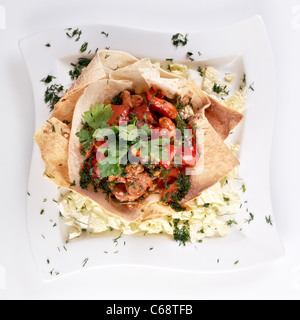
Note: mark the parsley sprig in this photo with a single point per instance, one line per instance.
(96, 118)
(125, 138)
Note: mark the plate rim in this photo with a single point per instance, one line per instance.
(256, 19)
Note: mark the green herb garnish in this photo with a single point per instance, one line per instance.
(96, 118)
(117, 100)
(84, 47)
(48, 79)
(104, 33)
(179, 39)
(189, 55)
(269, 220)
(85, 261)
(181, 231)
(244, 78)
(200, 70)
(173, 199)
(251, 87)
(53, 94)
(78, 67)
(217, 88)
(76, 33)
(250, 219)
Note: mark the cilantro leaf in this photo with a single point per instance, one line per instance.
(98, 116)
(146, 128)
(108, 170)
(86, 138)
(111, 165)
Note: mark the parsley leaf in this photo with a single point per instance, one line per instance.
(86, 138)
(111, 165)
(146, 128)
(108, 170)
(98, 116)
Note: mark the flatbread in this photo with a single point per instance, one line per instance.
(104, 62)
(102, 90)
(216, 160)
(53, 141)
(222, 119)
(64, 109)
(110, 73)
(114, 60)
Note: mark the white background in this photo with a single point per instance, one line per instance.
(19, 278)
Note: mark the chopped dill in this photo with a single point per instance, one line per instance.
(250, 219)
(104, 33)
(269, 221)
(200, 70)
(48, 79)
(78, 67)
(75, 33)
(84, 47)
(53, 94)
(179, 39)
(217, 88)
(173, 199)
(181, 231)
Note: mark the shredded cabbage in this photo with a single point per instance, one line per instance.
(180, 70)
(207, 218)
(238, 101)
(210, 212)
(212, 78)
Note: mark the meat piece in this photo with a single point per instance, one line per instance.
(126, 97)
(168, 128)
(142, 110)
(120, 192)
(134, 185)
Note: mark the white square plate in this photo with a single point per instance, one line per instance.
(243, 47)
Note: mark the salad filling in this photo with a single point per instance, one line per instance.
(138, 145)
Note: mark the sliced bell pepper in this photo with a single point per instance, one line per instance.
(161, 106)
(171, 154)
(121, 113)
